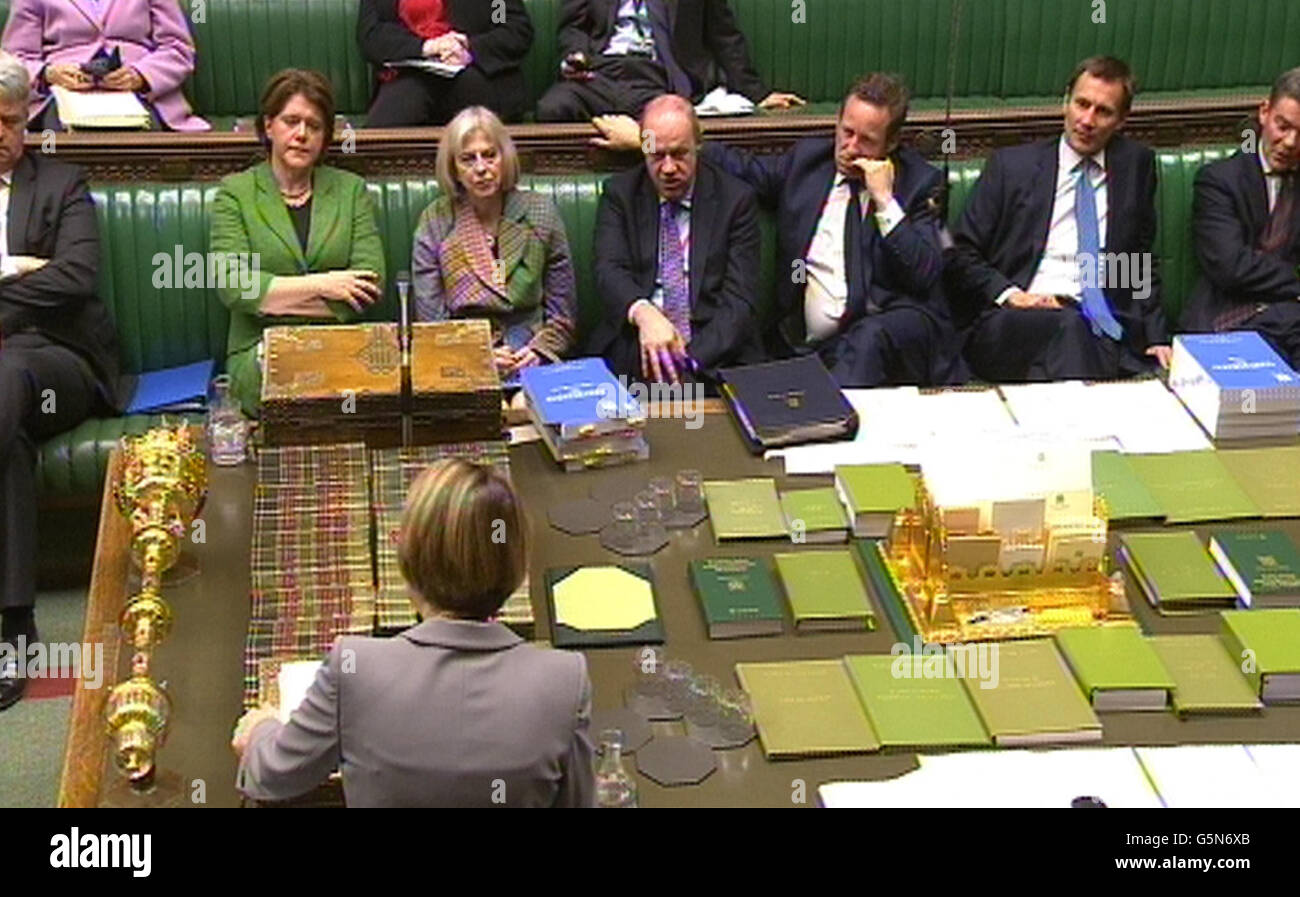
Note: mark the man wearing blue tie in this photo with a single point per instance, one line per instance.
(1052, 271)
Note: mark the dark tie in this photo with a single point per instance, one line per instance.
(678, 81)
(672, 275)
(1277, 235)
(853, 250)
(1095, 308)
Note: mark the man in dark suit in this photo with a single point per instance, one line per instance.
(58, 350)
(859, 258)
(617, 55)
(1054, 274)
(1247, 221)
(490, 39)
(677, 250)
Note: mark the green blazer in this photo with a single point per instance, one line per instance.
(250, 218)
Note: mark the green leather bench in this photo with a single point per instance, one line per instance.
(161, 328)
(1008, 52)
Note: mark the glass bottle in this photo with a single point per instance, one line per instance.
(614, 787)
(227, 429)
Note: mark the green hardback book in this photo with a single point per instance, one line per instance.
(873, 494)
(1206, 680)
(1262, 565)
(806, 708)
(745, 509)
(1127, 498)
(1255, 471)
(1034, 699)
(1266, 646)
(815, 515)
(738, 595)
(825, 590)
(1116, 667)
(1175, 572)
(1192, 486)
(907, 709)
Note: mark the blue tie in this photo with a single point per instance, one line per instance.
(1095, 309)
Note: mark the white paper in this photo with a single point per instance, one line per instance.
(100, 108)
(294, 678)
(1012, 779)
(1214, 775)
(720, 102)
(445, 69)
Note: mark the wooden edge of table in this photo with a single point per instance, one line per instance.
(83, 757)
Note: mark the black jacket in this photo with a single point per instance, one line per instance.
(51, 216)
(1229, 213)
(724, 261)
(1000, 239)
(704, 34)
(498, 48)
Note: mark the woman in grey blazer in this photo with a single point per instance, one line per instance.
(457, 711)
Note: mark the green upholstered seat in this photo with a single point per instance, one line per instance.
(161, 326)
(1006, 51)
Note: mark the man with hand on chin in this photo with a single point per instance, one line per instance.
(58, 348)
(859, 258)
(1041, 217)
(677, 249)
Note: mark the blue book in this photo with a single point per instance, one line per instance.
(1235, 384)
(579, 398)
(183, 388)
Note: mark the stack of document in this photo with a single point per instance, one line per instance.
(433, 66)
(1222, 775)
(1236, 385)
(586, 418)
(102, 109)
(1012, 779)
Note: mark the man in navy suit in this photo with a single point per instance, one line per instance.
(677, 249)
(859, 257)
(1053, 273)
(1247, 221)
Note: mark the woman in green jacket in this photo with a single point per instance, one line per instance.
(305, 231)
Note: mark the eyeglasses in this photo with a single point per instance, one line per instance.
(293, 122)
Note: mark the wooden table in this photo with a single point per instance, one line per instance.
(201, 661)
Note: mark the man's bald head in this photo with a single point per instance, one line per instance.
(670, 132)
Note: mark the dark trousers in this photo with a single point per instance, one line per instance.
(623, 85)
(416, 98)
(45, 388)
(896, 347)
(1019, 345)
(1279, 324)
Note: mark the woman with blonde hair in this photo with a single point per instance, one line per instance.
(487, 249)
(456, 711)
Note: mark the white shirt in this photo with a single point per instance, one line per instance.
(827, 294)
(7, 268)
(1272, 184)
(632, 31)
(1058, 269)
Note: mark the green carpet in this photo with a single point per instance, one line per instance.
(33, 733)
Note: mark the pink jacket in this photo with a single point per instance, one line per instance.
(152, 35)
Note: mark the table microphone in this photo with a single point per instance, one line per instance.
(404, 341)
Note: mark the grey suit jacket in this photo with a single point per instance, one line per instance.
(450, 713)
